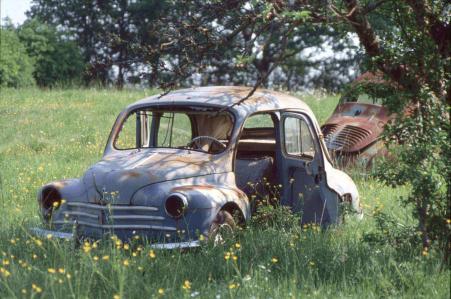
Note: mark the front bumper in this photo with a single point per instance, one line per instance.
(96, 221)
(71, 236)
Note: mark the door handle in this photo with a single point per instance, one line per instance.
(308, 167)
(318, 178)
(319, 175)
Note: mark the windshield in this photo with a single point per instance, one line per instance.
(202, 130)
(362, 98)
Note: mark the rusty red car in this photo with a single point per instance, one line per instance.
(177, 167)
(353, 132)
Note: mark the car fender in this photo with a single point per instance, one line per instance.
(343, 185)
(215, 198)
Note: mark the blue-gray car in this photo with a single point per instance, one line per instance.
(184, 166)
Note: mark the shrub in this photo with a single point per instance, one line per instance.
(58, 61)
(16, 67)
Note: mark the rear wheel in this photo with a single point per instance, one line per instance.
(222, 228)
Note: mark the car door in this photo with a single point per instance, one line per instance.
(303, 171)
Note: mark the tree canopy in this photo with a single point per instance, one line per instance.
(57, 60)
(16, 67)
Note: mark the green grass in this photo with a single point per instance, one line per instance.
(49, 135)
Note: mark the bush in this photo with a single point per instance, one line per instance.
(58, 61)
(16, 67)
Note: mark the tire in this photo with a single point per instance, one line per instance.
(222, 227)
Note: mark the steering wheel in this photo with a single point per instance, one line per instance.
(196, 142)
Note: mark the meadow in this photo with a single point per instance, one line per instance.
(47, 135)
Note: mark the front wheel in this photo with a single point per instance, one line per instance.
(222, 228)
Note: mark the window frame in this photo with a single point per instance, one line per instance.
(117, 128)
(315, 140)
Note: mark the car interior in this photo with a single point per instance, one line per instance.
(256, 153)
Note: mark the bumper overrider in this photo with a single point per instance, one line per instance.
(76, 220)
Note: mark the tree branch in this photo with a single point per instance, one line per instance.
(439, 31)
(370, 42)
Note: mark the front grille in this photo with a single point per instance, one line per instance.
(328, 129)
(113, 217)
(344, 138)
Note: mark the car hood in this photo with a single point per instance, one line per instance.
(354, 126)
(117, 177)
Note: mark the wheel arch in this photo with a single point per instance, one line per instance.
(235, 211)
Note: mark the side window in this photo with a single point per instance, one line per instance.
(259, 121)
(298, 140)
(127, 135)
(175, 130)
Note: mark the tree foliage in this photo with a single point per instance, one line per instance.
(133, 40)
(57, 61)
(108, 32)
(16, 67)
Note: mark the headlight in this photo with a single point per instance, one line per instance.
(50, 200)
(176, 204)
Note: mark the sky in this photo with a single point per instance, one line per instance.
(14, 9)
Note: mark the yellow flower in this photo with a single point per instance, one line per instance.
(227, 256)
(87, 247)
(5, 262)
(36, 288)
(5, 272)
(126, 246)
(201, 238)
(160, 291)
(233, 286)
(237, 245)
(126, 263)
(274, 260)
(186, 285)
(95, 258)
(68, 276)
(448, 221)
(49, 236)
(51, 270)
(116, 296)
(152, 254)
(38, 242)
(234, 257)
(311, 264)
(61, 270)
(105, 257)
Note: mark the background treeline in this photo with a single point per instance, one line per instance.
(110, 43)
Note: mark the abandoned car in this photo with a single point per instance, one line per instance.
(353, 132)
(176, 168)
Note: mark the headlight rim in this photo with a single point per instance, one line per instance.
(183, 199)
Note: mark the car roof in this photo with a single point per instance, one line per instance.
(226, 96)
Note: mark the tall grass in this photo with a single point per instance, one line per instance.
(54, 134)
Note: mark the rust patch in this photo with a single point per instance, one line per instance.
(132, 174)
(354, 126)
(194, 187)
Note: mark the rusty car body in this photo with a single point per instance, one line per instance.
(353, 132)
(184, 165)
